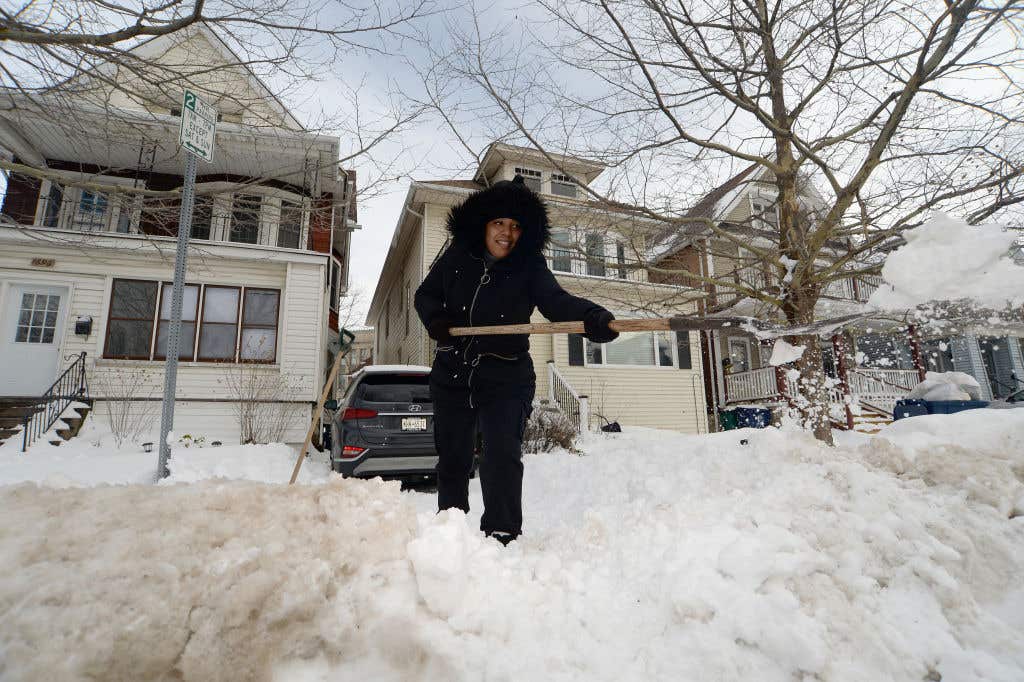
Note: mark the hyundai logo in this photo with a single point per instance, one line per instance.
(415, 408)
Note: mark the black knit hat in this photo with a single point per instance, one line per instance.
(505, 199)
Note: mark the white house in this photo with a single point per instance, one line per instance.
(88, 232)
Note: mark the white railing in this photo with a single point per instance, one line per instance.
(566, 399)
(880, 387)
(754, 384)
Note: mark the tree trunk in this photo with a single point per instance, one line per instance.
(811, 402)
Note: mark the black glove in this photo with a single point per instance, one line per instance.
(438, 330)
(595, 324)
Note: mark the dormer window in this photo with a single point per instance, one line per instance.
(563, 186)
(533, 178)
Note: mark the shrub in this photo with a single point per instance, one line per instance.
(548, 429)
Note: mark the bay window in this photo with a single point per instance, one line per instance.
(218, 323)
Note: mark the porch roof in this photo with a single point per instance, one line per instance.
(127, 140)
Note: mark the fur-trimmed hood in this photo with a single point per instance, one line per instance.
(505, 199)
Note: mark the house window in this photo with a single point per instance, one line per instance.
(764, 213)
(563, 186)
(635, 349)
(214, 313)
(219, 332)
(620, 260)
(189, 310)
(91, 211)
(290, 226)
(130, 329)
(37, 319)
(245, 218)
(595, 254)
(560, 250)
(532, 178)
(54, 199)
(259, 325)
(202, 217)
(739, 354)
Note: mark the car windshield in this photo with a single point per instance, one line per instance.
(389, 388)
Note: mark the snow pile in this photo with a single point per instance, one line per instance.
(946, 260)
(784, 353)
(271, 463)
(654, 557)
(946, 386)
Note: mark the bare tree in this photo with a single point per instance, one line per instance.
(128, 396)
(260, 400)
(862, 116)
(96, 70)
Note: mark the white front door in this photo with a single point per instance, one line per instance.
(32, 327)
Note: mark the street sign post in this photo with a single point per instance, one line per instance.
(196, 136)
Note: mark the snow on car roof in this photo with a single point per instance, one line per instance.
(373, 369)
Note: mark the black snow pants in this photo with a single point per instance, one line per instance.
(501, 421)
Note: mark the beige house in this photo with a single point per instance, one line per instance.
(88, 248)
(642, 379)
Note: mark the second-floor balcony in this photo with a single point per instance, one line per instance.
(272, 219)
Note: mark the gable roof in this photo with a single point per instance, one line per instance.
(154, 47)
(707, 204)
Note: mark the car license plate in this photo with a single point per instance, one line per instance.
(414, 423)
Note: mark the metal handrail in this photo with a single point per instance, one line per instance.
(68, 388)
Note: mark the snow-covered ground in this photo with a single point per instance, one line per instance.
(654, 556)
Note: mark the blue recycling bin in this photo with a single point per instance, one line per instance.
(915, 408)
(909, 408)
(953, 406)
(753, 417)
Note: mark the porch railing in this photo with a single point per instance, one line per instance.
(881, 387)
(754, 384)
(565, 398)
(71, 386)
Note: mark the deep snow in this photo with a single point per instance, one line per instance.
(654, 556)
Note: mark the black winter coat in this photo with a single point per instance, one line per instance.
(461, 287)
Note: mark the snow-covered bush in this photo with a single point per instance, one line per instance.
(549, 429)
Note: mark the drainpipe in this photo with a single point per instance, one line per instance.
(915, 351)
(844, 380)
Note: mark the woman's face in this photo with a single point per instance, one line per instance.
(501, 235)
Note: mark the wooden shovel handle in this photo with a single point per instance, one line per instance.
(662, 324)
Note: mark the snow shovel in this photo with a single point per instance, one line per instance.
(677, 323)
(347, 338)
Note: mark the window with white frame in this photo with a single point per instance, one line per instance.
(532, 178)
(63, 206)
(563, 186)
(764, 213)
(245, 218)
(289, 228)
(633, 349)
(594, 245)
(560, 250)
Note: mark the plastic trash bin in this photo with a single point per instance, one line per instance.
(909, 408)
(727, 419)
(953, 406)
(753, 417)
